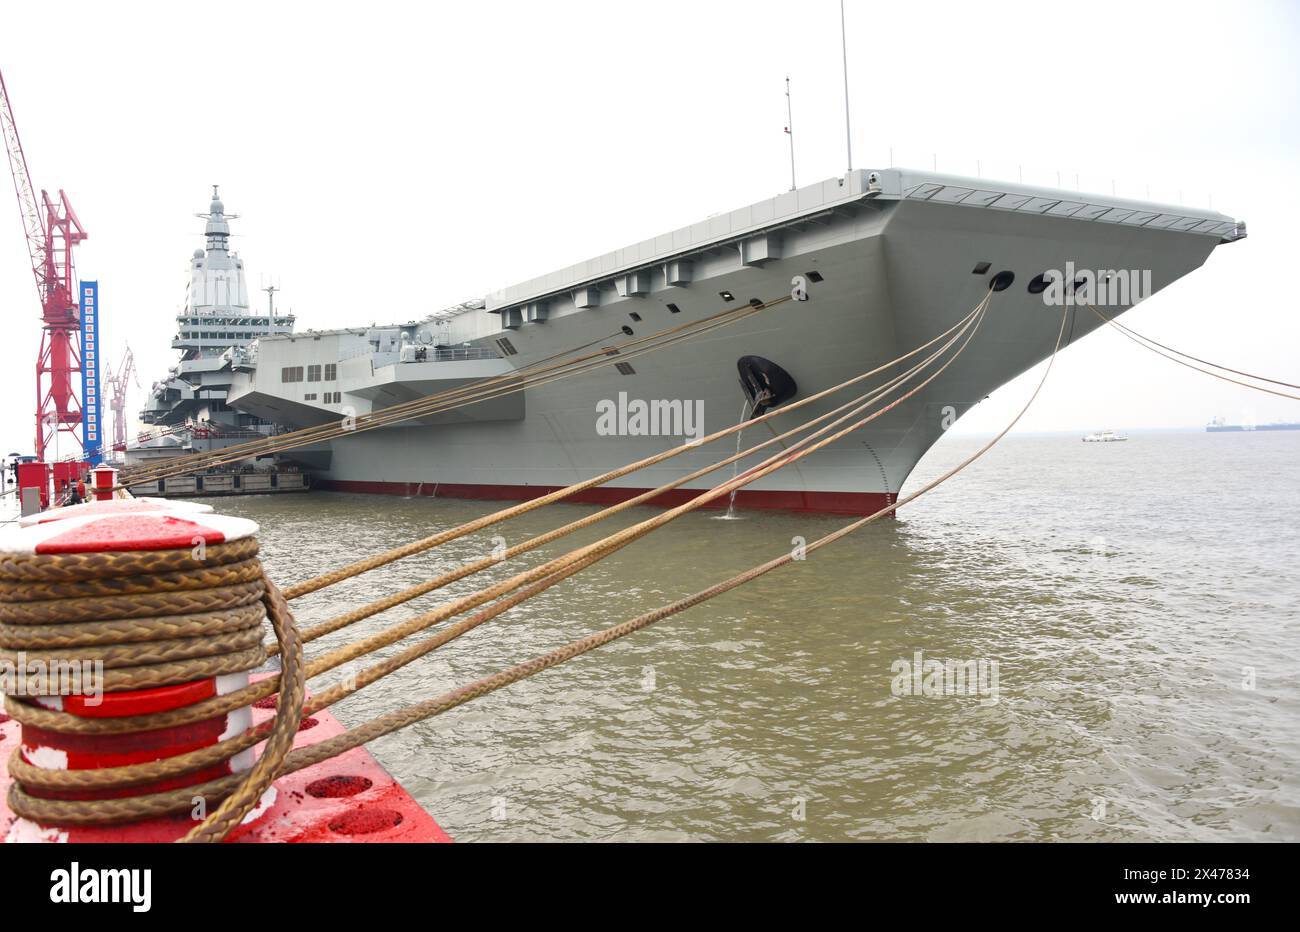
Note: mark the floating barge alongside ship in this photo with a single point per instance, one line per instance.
(211, 484)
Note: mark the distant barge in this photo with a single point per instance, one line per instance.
(211, 484)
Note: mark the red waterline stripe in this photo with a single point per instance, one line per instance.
(830, 503)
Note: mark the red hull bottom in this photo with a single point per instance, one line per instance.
(831, 503)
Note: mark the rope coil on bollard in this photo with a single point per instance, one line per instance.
(146, 618)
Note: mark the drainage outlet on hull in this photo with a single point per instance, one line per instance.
(765, 383)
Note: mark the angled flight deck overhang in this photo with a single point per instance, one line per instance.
(755, 232)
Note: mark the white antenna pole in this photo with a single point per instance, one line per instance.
(789, 129)
(844, 48)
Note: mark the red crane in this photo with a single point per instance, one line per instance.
(117, 380)
(52, 230)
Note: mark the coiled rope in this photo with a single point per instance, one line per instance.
(151, 618)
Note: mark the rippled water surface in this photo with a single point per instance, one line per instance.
(1131, 595)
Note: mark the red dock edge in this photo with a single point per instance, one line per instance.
(350, 798)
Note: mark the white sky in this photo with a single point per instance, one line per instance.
(389, 158)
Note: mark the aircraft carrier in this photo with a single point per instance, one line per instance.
(892, 258)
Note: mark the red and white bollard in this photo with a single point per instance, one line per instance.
(117, 506)
(130, 525)
(102, 483)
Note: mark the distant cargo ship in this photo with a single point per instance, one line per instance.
(1104, 436)
(1219, 426)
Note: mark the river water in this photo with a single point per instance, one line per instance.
(1141, 602)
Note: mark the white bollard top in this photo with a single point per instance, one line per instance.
(96, 530)
(115, 506)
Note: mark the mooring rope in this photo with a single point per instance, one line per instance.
(61, 722)
(163, 586)
(532, 543)
(451, 399)
(401, 718)
(375, 561)
(161, 617)
(1173, 355)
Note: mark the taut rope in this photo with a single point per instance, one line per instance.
(167, 616)
(451, 399)
(1174, 356)
(434, 540)
(401, 718)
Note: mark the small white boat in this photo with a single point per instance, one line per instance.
(1104, 436)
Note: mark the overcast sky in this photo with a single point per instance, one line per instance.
(389, 158)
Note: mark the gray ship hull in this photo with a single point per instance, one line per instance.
(897, 267)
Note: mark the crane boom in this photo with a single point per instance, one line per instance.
(117, 382)
(52, 231)
(33, 227)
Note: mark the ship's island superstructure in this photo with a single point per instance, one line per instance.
(215, 329)
(892, 259)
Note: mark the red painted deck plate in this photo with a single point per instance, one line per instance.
(350, 798)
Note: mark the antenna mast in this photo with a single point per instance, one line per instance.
(789, 130)
(844, 48)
